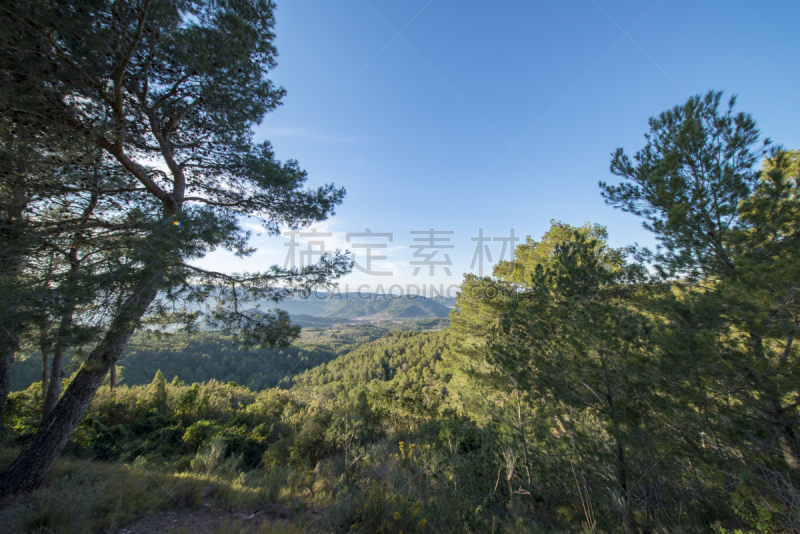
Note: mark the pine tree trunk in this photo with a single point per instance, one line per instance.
(783, 426)
(54, 388)
(9, 343)
(524, 440)
(786, 437)
(628, 521)
(622, 480)
(29, 469)
(11, 227)
(112, 379)
(45, 370)
(6, 359)
(61, 343)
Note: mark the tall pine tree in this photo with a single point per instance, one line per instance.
(168, 92)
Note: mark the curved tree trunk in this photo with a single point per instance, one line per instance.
(29, 469)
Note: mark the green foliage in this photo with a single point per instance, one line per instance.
(386, 511)
(273, 439)
(577, 389)
(158, 391)
(731, 229)
(168, 172)
(198, 433)
(400, 358)
(353, 423)
(67, 507)
(209, 457)
(208, 355)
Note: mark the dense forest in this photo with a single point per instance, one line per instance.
(209, 355)
(400, 358)
(579, 388)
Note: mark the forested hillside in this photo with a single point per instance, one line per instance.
(401, 359)
(209, 355)
(576, 385)
(584, 386)
(353, 306)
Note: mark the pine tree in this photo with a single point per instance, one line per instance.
(731, 229)
(181, 83)
(158, 391)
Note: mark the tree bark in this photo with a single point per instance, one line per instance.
(54, 387)
(622, 480)
(6, 359)
(62, 336)
(29, 469)
(10, 261)
(524, 440)
(628, 521)
(775, 409)
(786, 437)
(45, 370)
(67, 314)
(112, 378)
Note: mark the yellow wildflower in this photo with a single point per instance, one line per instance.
(422, 523)
(397, 516)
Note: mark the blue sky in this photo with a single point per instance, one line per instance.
(466, 115)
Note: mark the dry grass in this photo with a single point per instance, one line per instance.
(266, 528)
(82, 496)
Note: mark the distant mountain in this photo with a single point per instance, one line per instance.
(309, 321)
(446, 301)
(386, 307)
(363, 306)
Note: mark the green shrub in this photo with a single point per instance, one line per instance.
(198, 433)
(277, 455)
(309, 445)
(383, 510)
(239, 440)
(209, 457)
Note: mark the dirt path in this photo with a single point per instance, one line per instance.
(212, 517)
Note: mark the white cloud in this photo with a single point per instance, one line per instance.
(287, 134)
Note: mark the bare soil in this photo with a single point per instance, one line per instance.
(209, 518)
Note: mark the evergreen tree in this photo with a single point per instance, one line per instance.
(560, 353)
(158, 390)
(181, 83)
(731, 227)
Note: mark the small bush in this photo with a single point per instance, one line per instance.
(273, 483)
(383, 510)
(209, 457)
